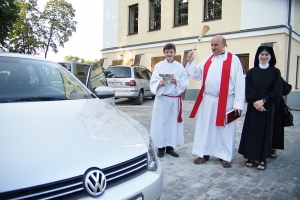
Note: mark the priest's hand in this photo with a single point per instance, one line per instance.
(239, 111)
(190, 56)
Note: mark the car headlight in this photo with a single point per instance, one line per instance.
(152, 157)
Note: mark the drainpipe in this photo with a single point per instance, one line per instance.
(289, 45)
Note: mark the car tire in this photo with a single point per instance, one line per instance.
(153, 97)
(139, 99)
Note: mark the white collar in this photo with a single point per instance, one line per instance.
(264, 66)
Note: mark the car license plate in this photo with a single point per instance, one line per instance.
(115, 83)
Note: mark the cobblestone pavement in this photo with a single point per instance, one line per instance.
(183, 180)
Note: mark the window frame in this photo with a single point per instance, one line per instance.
(205, 13)
(153, 14)
(133, 24)
(178, 13)
(244, 59)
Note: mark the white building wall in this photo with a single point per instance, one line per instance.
(263, 13)
(110, 23)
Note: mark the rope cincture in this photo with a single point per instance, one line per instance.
(179, 118)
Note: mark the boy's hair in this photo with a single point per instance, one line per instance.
(169, 46)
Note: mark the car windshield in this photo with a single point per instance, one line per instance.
(23, 79)
(66, 65)
(118, 72)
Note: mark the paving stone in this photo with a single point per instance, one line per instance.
(183, 180)
(235, 196)
(277, 196)
(219, 196)
(255, 191)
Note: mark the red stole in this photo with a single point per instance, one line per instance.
(220, 121)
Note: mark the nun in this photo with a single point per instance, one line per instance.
(263, 90)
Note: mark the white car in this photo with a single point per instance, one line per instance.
(59, 140)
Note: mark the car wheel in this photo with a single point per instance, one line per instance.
(139, 99)
(153, 97)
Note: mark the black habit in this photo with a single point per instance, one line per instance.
(256, 138)
(278, 136)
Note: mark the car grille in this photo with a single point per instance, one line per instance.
(73, 188)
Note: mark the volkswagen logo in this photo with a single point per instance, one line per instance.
(95, 182)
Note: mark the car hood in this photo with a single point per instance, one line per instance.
(43, 142)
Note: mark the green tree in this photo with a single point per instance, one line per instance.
(91, 61)
(26, 32)
(57, 19)
(9, 11)
(73, 59)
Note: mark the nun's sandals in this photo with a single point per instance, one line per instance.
(273, 153)
(249, 163)
(262, 165)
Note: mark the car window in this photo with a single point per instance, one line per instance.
(82, 72)
(118, 72)
(149, 73)
(26, 78)
(137, 73)
(145, 74)
(54, 77)
(66, 65)
(82, 69)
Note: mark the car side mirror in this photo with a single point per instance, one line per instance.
(103, 92)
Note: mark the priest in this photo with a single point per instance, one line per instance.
(223, 89)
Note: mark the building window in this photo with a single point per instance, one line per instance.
(244, 58)
(122, 62)
(181, 8)
(155, 15)
(212, 9)
(133, 19)
(117, 62)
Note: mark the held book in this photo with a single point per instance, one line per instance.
(166, 77)
(231, 115)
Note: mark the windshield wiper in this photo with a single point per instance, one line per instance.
(35, 99)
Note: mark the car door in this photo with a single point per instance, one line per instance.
(97, 83)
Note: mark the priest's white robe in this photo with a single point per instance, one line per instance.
(209, 139)
(165, 130)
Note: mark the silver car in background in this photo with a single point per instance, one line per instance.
(131, 82)
(58, 140)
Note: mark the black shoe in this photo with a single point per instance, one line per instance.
(161, 152)
(172, 152)
(206, 157)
